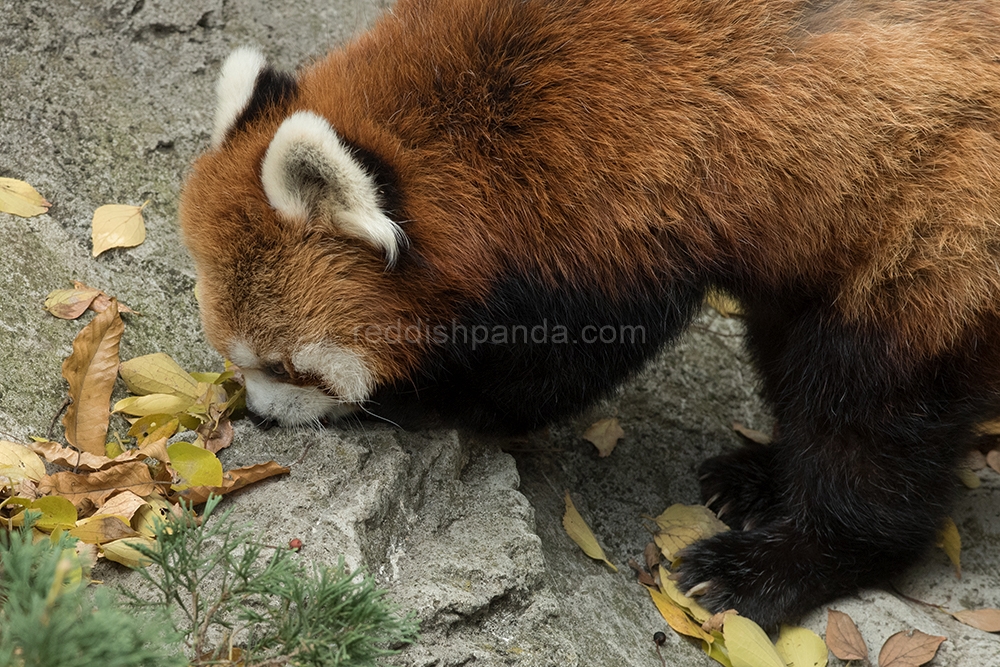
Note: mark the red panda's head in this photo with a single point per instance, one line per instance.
(295, 250)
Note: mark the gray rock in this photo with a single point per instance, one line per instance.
(108, 102)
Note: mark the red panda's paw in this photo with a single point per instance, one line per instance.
(771, 575)
(743, 487)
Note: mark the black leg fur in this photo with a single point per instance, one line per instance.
(860, 479)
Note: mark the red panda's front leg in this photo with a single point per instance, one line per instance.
(856, 485)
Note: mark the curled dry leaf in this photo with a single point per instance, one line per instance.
(19, 198)
(234, 480)
(604, 435)
(949, 540)
(751, 434)
(580, 532)
(124, 505)
(67, 457)
(117, 226)
(715, 622)
(17, 463)
(96, 487)
(91, 371)
(683, 525)
(69, 304)
(987, 620)
(218, 436)
(910, 649)
(843, 637)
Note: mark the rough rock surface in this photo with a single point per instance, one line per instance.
(108, 101)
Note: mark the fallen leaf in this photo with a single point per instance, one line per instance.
(124, 504)
(69, 304)
(236, 479)
(669, 588)
(91, 371)
(910, 649)
(194, 465)
(100, 529)
(993, 459)
(683, 525)
(158, 373)
(676, 618)
(987, 620)
(19, 198)
(753, 435)
(56, 513)
(723, 303)
(580, 532)
(53, 452)
(969, 478)
(717, 621)
(216, 437)
(976, 460)
(604, 434)
(801, 647)
(124, 551)
(949, 540)
(96, 487)
(153, 404)
(843, 637)
(18, 462)
(117, 226)
(748, 644)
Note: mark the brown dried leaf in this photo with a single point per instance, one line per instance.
(993, 459)
(117, 226)
(976, 460)
(843, 637)
(124, 504)
(751, 434)
(604, 434)
(217, 438)
(909, 649)
(96, 487)
(236, 479)
(91, 371)
(987, 620)
(716, 621)
(53, 452)
(69, 304)
(651, 554)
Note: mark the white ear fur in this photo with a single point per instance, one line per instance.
(308, 171)
(235, 87)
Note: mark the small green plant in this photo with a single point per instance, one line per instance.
(49, 618)
(228, 590)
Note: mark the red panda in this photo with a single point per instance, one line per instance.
(491, 213)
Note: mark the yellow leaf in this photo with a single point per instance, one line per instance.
(158, 374)
(723, 303)
(124, 505)
(801, 647)
(748, 644)
(669, 588)
(69, 304)
(987, 620)
(233, 480)
(676, 618)
(117, 226)
(969, 478)
(196, 466)
(18, 462)
(102, 528)
(580, 532)
(683, 525)
(123, 551)
(949, 540)
(717, 651)
(605, 434)
(56, 513)
(19, 198)
(153, 404)
(91, 371)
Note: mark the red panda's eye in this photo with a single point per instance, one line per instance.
(277, 370)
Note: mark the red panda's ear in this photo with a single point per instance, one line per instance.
(308, 172)
(234, 90)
